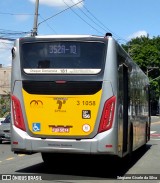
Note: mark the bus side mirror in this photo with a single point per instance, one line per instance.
(13, 51)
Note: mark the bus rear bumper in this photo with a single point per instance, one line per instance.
(21, 142)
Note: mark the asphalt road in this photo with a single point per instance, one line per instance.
(144, 165)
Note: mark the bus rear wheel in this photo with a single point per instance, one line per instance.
(48, 158)
(130, 151)
(52, 158)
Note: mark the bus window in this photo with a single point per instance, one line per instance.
(63, 55)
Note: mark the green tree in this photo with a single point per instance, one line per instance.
(145, 52)
(4, 105)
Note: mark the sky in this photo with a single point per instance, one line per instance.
(125, 19)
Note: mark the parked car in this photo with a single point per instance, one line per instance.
(1, 119)
(5, 129)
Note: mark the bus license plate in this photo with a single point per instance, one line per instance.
(60, 129)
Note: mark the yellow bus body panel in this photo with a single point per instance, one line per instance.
(61, 115)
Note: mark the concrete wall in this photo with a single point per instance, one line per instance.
(5, 80)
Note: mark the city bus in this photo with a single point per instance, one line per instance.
(77, 94)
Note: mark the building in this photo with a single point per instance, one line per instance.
(5, 80)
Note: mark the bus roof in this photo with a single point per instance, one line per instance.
(65, 36)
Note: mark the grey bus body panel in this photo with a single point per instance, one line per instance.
(96, 145)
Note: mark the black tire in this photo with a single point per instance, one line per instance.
(130, 154)
(147, 133)
(52, 158)
(146, 138)
(48, 158)
(0, 141)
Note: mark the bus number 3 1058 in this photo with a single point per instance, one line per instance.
(90, 103)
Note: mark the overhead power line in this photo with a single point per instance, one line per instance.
(82, 18)
(99, 22)
(7, 43)
(91, 19)
(102, 25)
(5, 48)
(8, 39)
(11, 35)
(48, 25)
(16, 14)
(98, 25)
(60, 12)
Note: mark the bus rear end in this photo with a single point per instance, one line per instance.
(61, 102)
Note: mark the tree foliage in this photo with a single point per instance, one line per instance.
(146, 53)
(4, 105)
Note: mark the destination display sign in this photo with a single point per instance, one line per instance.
(63, 49)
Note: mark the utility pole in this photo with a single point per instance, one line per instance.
(35, 25)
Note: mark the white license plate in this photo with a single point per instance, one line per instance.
(60, 129)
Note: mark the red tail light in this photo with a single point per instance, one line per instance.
(17, 113)
(107, 115)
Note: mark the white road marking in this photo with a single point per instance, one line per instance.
(154, 135)
(152, 132)
(10, 158)
(20, 155)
